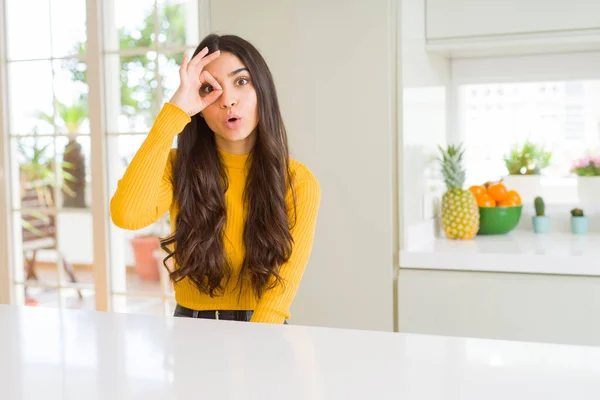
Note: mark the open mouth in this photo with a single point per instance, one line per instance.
(232, 121)
(232, 118)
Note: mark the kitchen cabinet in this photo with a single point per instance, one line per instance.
(531, 307)
(452, 19)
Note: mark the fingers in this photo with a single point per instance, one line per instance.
(198, 57)
(184, 63)
(216, 92)
(205, 61)
(205, 76)
(211, 97)
(201, 59)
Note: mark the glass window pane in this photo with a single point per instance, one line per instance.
(136, 258)
(22, 41)
(131, 84)
(39, 296)
(30, 97)
(129, 24)
(71, 92)
(178, 23)
(76, 243)
(35, 239)
(561, 116)
(68, 34)
(168, 66)
(55, 248)
(34, 177)
(79, 299)
(75, 178)
(135, 305)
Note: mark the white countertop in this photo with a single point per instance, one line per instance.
(52, 354)
(518, 251)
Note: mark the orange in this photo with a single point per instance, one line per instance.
(507, 203)
(485, 200)
(477, 190)
(514, 196)
(497, 191)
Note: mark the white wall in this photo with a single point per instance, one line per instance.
(426, 84)
(333, 64)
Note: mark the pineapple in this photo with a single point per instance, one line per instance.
(460, 213)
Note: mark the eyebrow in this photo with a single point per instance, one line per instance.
(237, 71)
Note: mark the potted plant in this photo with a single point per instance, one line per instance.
(525, 164)
(36, 169)
(70, 119)
(579, 222)
(146, 247)
(587, 170)
(541, 221)
(146, 264)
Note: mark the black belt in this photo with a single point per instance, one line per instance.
(230, 315)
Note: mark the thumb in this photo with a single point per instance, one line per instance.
(211, 97)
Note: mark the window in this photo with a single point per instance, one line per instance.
(551, 100)
(50, 138)
(562, 116)
(144, 44)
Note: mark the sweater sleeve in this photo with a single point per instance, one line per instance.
(145, 191)
(273, 306)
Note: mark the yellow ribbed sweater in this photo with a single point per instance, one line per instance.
(145, 193)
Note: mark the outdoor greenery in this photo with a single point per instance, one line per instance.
(138, 97)
(528, 159)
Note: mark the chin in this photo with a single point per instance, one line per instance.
(235, 136)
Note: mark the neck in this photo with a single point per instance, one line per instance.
(244, 146)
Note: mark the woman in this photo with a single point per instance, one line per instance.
(243, 213)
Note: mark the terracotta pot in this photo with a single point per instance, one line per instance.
(146, 265)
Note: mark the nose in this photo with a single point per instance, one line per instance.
(228, 99)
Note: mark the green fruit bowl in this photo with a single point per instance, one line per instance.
(498, 220)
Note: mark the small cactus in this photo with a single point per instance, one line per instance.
(577, 212)
(540, 207)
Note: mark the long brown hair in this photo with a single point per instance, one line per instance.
(200, 182)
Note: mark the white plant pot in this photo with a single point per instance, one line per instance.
(528, 186)
(588, 189)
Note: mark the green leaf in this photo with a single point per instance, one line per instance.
(528, 159)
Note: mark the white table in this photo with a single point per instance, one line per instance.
(52, 354)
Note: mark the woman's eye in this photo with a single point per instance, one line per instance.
(206, 89)
(243, 81)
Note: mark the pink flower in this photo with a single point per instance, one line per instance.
(585, 161)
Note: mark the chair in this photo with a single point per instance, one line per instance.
(39, 229)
